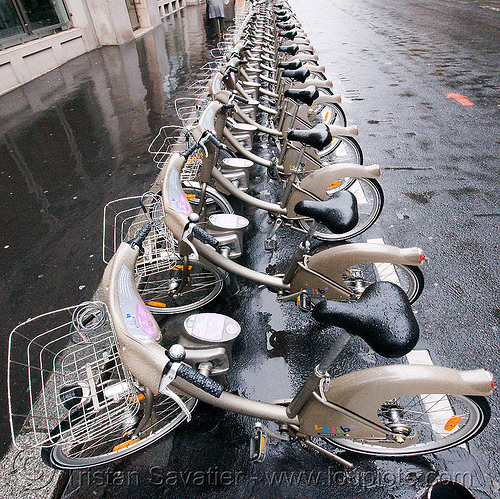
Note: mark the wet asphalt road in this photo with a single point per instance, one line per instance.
(395, 64)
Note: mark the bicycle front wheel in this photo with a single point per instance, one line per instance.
(214, 202)
(164, 292)
(370, 200)
(113, 445)
(440, 422)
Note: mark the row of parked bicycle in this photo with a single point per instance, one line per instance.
(100, 383)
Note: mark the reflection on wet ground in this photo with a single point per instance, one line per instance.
(71, 141)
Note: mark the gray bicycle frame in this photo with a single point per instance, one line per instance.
(313, 186)
(323, 270)
(351, 401)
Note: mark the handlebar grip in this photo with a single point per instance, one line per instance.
(197, 379)
(205, 237)
(140, 236)
(229, 70)
(190, 150)
(227, 107)
(239, 98)
(213, 139)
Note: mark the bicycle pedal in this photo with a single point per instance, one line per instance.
(258, 444)
(271, 245)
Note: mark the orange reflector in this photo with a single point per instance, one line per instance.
(452, 422)
(139, 397)
(125, 444)
(158, 304)
(262, 443)
(181, 267)
(326, 115)
(334, 184)
(191, 196)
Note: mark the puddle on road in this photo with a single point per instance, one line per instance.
(73, 140)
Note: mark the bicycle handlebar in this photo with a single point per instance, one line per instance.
(190, 150)
(228, 71)
(213, 139)
(140, 236)
(197, 379)
(205, 237)
(241, 99)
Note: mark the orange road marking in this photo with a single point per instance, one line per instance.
(460, 98)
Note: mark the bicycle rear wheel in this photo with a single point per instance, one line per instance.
(163, 295)
(370, 200)
(113, 445)
(408, 277)
(342, 150)
(441, 421)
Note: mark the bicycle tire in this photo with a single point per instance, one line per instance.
(329, 113)
(370, 200)
(159, 290)
(215, 202)
(100, 451)
(478, 415)
(342, 150)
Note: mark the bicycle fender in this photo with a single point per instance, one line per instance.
(363, 392)
(343, 131)
(317, 83)
(322, 273)
(327, 99)
(317, 183)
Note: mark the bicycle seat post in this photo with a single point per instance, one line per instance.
(320, 371)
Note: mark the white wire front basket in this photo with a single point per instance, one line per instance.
(164, 144)
(169, 139)
(124, 217)
(66, 381)
(189, 109)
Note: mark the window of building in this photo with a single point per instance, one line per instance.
(23, 20)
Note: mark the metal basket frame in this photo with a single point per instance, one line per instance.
(169, 139)
(124, 217)
(77, 387)
(189, 109)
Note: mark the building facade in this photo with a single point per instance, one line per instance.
(37, 36)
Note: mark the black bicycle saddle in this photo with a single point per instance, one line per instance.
(285, 26)
(306, 95)
(294, 64)
(283, 19)
(289, 49)
(339, 213)
(300, 74)
(318, 137)
(290, 35)
(382, 316)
